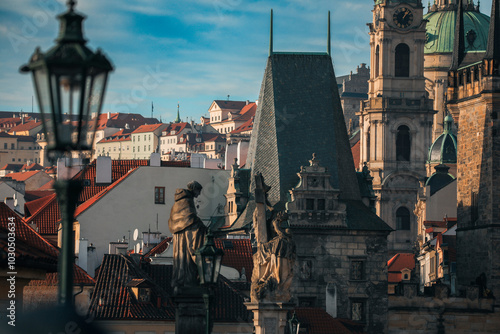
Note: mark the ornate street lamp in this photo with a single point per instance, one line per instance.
(69, 81)
(208, 260)
(293, 324)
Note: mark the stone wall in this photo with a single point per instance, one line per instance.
(478, 173)
(323, 274)
(421, 315)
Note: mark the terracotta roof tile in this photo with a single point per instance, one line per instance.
(23, 176)
(32, 166)
(33, 206)
(31, 247)
(25, 127)
(47, 186)
(237, 254)
(247, 126)
(148, 128)
(158, 249)
(46, 216)
(397, 263)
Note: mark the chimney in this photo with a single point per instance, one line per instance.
(155, 160)
(109, 115)
(103, 170)
(247, 102)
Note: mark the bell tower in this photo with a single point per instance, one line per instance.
(396, 120)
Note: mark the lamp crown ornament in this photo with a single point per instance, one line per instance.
(69, 81)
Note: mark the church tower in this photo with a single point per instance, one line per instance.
(396, 120)
(474, 101)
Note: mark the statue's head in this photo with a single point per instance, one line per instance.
(195, 187)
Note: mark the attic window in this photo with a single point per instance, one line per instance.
(144, 295)
(228, 244)
(86, 183)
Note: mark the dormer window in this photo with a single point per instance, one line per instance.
(144, 295)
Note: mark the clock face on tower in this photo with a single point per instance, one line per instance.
(403, 17)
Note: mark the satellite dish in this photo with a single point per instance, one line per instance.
(136, 234)
(137, 248)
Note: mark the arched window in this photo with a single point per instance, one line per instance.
(402, 61)
(377, 61)
(403, 219)
(403, 144)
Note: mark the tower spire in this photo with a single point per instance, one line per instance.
(459, 43)
(328, 42)
(493, 49)
(178, 119)
(271, 35)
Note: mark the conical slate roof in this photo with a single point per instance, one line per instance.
(299, 114)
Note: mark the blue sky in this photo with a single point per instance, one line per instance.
(191, 52)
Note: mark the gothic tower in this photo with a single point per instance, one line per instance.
(396, 120)
(474, 101)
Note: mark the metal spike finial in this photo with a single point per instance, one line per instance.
(329, 43)
(459, 43)
(71, 5)
(271, 35)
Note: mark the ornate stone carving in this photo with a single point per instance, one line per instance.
(275, 257)
(188, 235)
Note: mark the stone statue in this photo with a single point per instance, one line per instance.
(275, 256)
(188, 235)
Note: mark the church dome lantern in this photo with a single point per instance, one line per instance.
(444, 148)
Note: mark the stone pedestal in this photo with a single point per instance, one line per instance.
(269, 317)
(190, 311)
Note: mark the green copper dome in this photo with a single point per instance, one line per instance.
(441, 30)
(444, 148)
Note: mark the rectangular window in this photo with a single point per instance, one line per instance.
(159, 195)
(5, 145)
(358, 310)
(12, 146)
(357, 271)
(309, 204)
(321, 204)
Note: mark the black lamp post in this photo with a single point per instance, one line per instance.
(208, 260)
(293, 324)
(69, 81)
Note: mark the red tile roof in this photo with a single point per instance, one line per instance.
(23, 176)
(148, 128)
(247, 126)
(317, 321)
(45, 215)
(32, 166)
(237, 254)
(158, 249)
(26, 126)
(80, 276)
(33, 206)
(112, 299)
(47, 186)
(31, 248)
(122, 135)
(91, 201)
(397, 263)
(356, 153)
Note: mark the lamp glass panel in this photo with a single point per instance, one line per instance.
(218, 260)
(42, 89)
(208, 269)
(69, 88)
(94, 90)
